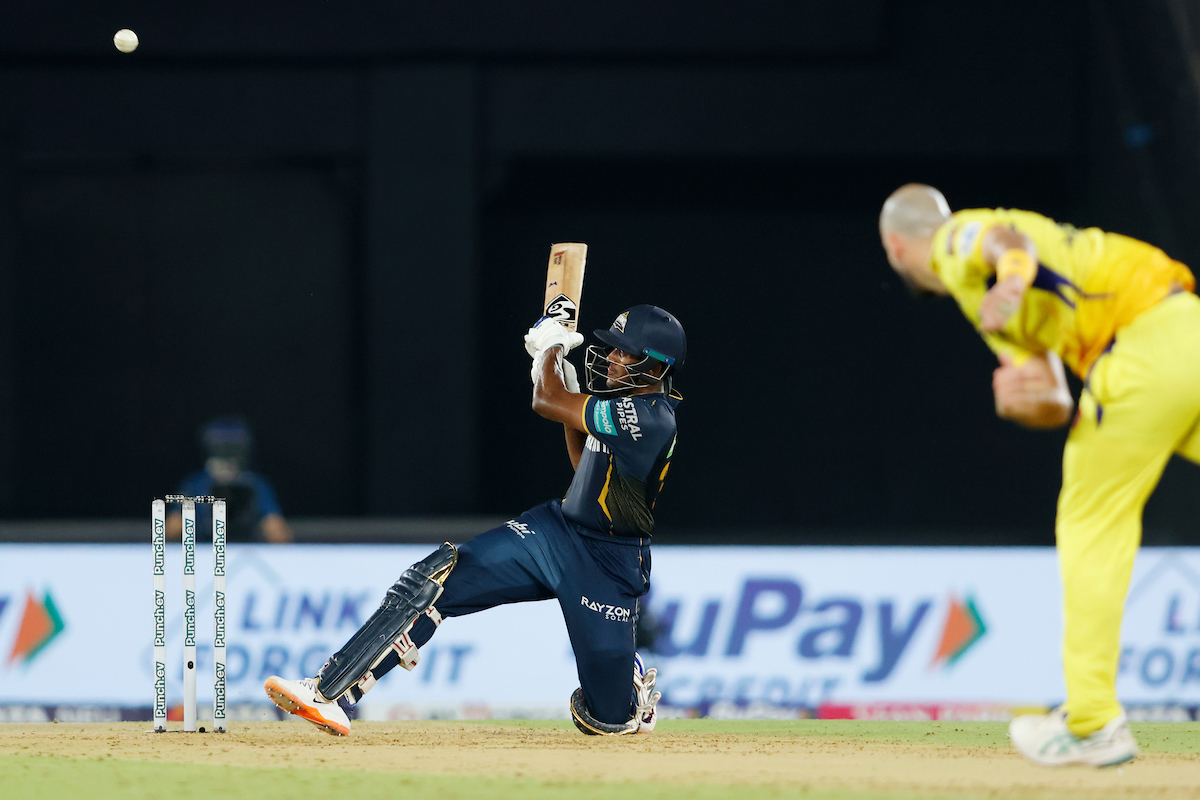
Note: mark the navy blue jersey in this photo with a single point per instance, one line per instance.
(624, 463)
(250, 497)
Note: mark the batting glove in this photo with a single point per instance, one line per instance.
(569, 376)
(547, 333)
(645, 714)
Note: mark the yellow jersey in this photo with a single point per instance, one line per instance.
(1089, 283)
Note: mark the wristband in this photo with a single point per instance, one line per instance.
(1016, 262)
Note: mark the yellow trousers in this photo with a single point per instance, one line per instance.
(1141, 404)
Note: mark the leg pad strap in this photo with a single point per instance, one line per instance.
(413, 594)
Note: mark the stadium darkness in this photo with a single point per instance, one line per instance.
(335, 221)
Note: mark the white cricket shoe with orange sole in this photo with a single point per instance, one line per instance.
(301, 698)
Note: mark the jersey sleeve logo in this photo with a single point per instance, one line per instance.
(964, 243)
(602, 418)
(627, 417)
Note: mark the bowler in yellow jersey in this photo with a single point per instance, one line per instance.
(1122, 316)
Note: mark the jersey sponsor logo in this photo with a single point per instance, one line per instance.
(1069, 232)
(964, 242)
(520, 528)
(602, 418)
(615, 613)
(627, 417)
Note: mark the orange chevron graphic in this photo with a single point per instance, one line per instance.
(964, 627)
(40, 623)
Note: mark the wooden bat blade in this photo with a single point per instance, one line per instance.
(564, 283)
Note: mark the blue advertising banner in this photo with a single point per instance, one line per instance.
(767, 630)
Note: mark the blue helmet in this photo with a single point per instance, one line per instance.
(646, 331)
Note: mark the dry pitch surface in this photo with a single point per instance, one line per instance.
(533, 760)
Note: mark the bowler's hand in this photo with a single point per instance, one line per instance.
(1000, 303)
(1034, 394)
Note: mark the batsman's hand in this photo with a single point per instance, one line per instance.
(566, 368)
(547, 333)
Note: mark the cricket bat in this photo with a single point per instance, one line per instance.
(564, 283)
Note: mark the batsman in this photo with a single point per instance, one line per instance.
(1122, 316)
(589, 550)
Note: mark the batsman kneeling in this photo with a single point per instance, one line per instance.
(590, 550)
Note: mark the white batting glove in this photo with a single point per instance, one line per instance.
(566, 369)
(547, 333)
(529, 348)
(570, 378)
(645, 715)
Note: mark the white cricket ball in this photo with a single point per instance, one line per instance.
(125, 40)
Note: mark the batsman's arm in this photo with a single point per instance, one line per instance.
(575, 440)
(552, 399)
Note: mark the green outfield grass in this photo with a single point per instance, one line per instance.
(42, 777)
(1153, 737)
(107, 778)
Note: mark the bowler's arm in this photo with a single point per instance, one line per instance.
(1035, 393)
(1014, 257)
(552, 400)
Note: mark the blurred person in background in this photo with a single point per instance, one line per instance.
(1121, 314)
(253, 509)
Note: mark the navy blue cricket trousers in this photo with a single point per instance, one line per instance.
(596, 577)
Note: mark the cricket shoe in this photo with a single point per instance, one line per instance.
(301, 698)
(1045, 739)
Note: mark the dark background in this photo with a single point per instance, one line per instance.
(334, 220)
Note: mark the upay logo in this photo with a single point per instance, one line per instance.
(833, 627)
(40, 623)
